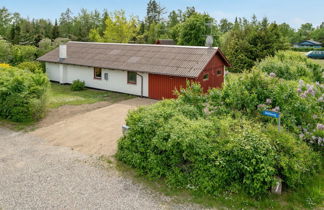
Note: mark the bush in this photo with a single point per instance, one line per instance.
(211, 154)
(78, 85)
(22, 53)
(22, 94)
(301, 105)
(5, 51)
(33, 66)
(292, 66)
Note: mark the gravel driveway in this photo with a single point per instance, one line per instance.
(34, 175)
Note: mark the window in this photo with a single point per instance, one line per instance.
(219, 72)
(97, 73)
(131, 77)
(206, 76)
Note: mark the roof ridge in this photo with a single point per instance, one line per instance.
(148, 45)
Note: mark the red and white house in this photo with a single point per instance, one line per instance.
(152, 71)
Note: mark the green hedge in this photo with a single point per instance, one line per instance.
(307, 49)
(22, 94)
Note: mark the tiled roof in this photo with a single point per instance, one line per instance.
(185, 61)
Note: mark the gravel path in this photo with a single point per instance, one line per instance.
(34, 175)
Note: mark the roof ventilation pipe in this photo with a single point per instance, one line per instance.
(62, 52)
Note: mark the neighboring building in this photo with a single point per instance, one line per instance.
(152, 71)
(308, 43)
(165, 42)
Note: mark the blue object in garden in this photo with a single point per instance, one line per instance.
(272, 114)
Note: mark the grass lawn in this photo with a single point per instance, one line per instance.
(319, 61)
(60, 95)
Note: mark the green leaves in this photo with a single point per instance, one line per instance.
(22, 94)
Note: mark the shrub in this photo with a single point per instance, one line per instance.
(292, 66)
(77, 85)
(22, 53)
(22, 94)
(295, 161)
(249, 93)
(33, 66)
(5, 51)
(214, 154)
(4, 65)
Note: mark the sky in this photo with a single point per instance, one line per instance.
(294, 12)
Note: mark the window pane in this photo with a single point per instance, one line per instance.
(131, 77)
(205, 77)
(97, 73)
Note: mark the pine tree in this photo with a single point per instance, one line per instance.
(55, 31)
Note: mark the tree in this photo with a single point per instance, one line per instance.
(189, 12)
(154, 12)
(5, 51)
(66, 23)
(15, 34)
(249, 42)
(304, 32)
(193, 30)
(5, 20)
(55, 31)
(225, 25)
(119, 29)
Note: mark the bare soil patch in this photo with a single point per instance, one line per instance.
(94, 132)
(55, 115)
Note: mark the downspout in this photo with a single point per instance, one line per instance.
(141, 83)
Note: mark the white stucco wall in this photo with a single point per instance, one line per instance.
(53, 72)
(117, 80)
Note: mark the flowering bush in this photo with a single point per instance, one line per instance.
(4, 65)
(254, 92)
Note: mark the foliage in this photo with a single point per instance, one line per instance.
(21, 53)
(249, 42)
(33, 66)
(5, 51)
(175, 141)
(118, 29)
(292, 66)
(78, 85)
(194, 29)
(306, 49)
(4, 65)
(300, 105)
(22, 94)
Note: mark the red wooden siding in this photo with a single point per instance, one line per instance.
(214, 80)
(162, 86)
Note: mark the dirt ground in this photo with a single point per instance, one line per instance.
(67, 111)
(91, 132)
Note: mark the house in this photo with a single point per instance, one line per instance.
(152, 71)
(308, 43)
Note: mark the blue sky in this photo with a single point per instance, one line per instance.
(294, 12)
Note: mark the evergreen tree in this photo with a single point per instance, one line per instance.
(55, 31)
